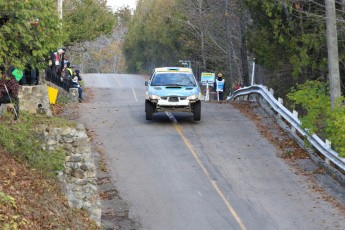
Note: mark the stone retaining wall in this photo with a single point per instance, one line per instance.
(34, 99)
(80, 167)
(79, 174)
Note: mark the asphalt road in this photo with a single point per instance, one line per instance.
(178, 174)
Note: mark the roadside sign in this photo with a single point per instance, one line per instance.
(207, 78)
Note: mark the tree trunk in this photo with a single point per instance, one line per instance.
(333, 56)
(203, 50)
(244, 59)
(202, 36)
(229, 46)
(343, 5)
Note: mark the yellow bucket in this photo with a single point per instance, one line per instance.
(52, 94)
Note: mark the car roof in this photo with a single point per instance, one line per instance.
(173, 69)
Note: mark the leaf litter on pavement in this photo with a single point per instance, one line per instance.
(290, 151)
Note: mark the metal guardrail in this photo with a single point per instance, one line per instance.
(320, 145)
(56, 80)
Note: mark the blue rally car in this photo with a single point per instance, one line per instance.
(172, 89)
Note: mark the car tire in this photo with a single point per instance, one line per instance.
(197, 111)
(148, 110)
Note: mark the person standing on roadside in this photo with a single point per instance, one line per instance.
(58, 60)
(219, 86)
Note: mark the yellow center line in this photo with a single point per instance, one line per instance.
(213, 182)
(118, 82)
(135, 95)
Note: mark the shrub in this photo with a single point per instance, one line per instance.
(314, 99)
(20, 140)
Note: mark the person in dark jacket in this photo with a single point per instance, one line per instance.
(57, 61)
(75, 83)
(68, 72)
(30, 77)
(9, 89)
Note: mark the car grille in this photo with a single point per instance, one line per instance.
(173, 99)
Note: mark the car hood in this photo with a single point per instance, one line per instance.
(165, 91)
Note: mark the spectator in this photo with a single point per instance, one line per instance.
(238, 86)
(34, 78)
(30, 76)
(75, 83)
(68, 72)
(58, 60)
(9, 89)
(219, 86)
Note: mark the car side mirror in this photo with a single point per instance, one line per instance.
(146, 83)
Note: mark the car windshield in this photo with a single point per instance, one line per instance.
(173, 79)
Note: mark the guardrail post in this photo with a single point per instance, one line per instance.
(272, 91)
(328, 144)
(280, 100)
(262, 99)
(294, 113)
(253, 97)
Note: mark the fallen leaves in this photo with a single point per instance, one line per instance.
(56, 109)
(29, 200)
(288, 147)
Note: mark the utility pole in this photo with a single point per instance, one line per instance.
(60, 16)
(60, 8)
(333, 56)
(253, 73)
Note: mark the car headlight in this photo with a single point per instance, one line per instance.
(155, 97)
(193, 97)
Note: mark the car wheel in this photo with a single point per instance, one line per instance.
(197, 111)
(148, 110)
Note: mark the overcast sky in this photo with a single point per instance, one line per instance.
(115, 4)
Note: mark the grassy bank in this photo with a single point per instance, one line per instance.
(30, 195)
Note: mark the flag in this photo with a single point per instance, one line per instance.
(18, 74)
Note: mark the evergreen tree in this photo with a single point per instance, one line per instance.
(29, 30)
(86, 20)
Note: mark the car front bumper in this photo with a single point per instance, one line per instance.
(173, 104)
